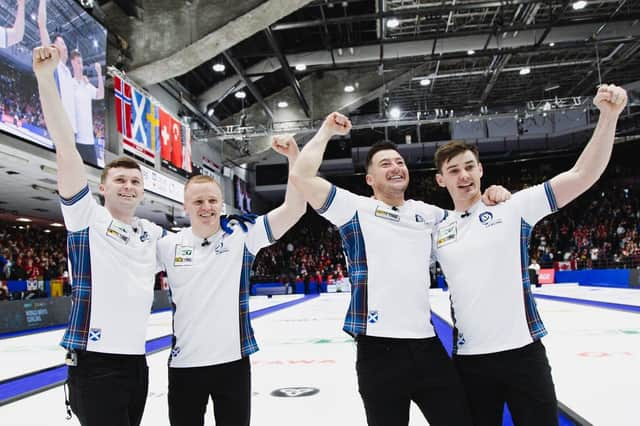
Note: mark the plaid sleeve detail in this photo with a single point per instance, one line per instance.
(70, 201)
(248, 344)
(534, 322)
(328, 201)
(75, 337)
(355, 322)
(551, 197)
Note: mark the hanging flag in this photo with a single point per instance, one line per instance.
(165, 135)
(186, 149)
(176, 143)
(152, 126)
(139, 142)
(123, 106)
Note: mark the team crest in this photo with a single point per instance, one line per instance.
(372, 317)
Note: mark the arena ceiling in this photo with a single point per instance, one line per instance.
(419, 56)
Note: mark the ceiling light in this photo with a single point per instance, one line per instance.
(46, 231)
(552, 44)
(283, 104)
(525, 71)
(471, 52)
(349, 88)
(23, 219)
(240, 95)
(578, 5)
(393, 23)
(425, 82)
(394, 113)
(57, 225)
(553, 87)
(218, 67)
(210, 112)
(301, 67)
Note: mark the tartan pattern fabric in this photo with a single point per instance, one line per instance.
(267, 227)
(551, 197)
(355, 322)
(75, 337)
(248, 343)
(536, 327)
(328, 201)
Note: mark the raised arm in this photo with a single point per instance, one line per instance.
(45, 39)
(71, 173)
(567, 186)
(304, 174)
(282, 218)
(16, 33)
(100, 92)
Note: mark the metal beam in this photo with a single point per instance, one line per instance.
(247, 81)
(400, 13)
(494, 77)
(295, 85)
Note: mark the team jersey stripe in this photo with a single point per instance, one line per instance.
(248, 343)
(550, 196)
(328, 201)
(75, 337)
(267, 228)
(70, 201)
(355, 322)
(536, 327)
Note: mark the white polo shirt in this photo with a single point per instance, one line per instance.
(113, 267)
(388, 250)
(484, 256)
(210, 293)
(66, 87)
(85, 93)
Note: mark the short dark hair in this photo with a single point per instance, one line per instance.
(121, 162)
(379, 146)
(74, 54)
(449, 150)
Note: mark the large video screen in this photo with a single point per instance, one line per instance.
(25, 24)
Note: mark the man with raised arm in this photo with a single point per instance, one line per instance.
(13, 35)
(483, 252)
(208, 271)
(387, 241)
(113, 263)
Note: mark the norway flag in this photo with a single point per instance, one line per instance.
(123, 106)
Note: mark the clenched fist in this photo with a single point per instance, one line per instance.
(45, 59)
(337, 124)
(610, 99)
(285, 145)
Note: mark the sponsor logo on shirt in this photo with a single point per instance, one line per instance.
(419, 218)
(447, 234)
(461, 340)
(294, 392)
(118, 231)
(486, 218)
(144, 237)
(184, 256)
(372, 317)
(175, 351)
(387, 214)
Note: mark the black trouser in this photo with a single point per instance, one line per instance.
(229, 385)
(520, 377)
(394, 372)
(108, 389)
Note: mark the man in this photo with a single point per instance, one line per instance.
(113, 262)
(208, 272)
(63, 78)
(387, 242)
(534, 271)
(13, 35)
(484, 255)
(85, 93)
